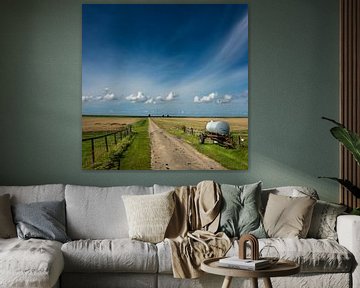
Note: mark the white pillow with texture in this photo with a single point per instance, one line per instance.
(149, 215)
(323, 222)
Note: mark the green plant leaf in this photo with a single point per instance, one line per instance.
(347, 184)
(355, 211)
(349, 139)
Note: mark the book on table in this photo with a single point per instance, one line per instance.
(249, 264)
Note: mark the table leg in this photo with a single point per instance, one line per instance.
(227, 282)
(254, 282)
(267, 283)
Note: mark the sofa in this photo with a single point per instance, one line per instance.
(100, 253)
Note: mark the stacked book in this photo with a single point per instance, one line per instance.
(248, 264)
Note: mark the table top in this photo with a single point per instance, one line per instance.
(281, 268)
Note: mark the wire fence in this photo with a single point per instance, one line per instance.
(103, 142)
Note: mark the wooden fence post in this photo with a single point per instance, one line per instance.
(106, 144)
(92, 151)
(121, 132)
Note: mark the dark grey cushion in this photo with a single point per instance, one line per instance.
(7, 227)
(240, 213)
(44, 220)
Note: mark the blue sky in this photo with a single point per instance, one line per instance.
(183, 60)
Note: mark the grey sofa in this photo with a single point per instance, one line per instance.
(101, 254)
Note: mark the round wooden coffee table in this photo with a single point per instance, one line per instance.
(281, 268)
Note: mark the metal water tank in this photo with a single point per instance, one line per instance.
(218, 127)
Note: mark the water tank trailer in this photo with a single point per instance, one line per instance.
(218, 132)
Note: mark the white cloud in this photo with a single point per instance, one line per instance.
(225, 99)
(171, 96)
(234, 42)
(151, 100)
(138, 98)
(205, 99)
(85, 98)
(108, 96)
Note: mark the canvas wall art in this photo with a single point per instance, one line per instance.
(165, 87)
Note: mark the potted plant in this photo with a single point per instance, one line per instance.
(351, 141)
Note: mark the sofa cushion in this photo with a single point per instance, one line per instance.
(30, 263)
(323, 222)
(98, 213)
(7, 226)
(149, 215)
(36, 193)
(43, 220)
(117, 255)
(240, 210)
(287, 216)
(314, 255)
(164, 257)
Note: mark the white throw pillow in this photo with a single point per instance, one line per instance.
(323, 223)
(149, 215)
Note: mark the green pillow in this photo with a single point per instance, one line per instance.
(240, 213)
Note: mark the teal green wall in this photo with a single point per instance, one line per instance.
(293, 72)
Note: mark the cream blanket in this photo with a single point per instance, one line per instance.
(191, 231)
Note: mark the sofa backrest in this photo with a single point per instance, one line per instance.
(98, 212)
(163, 188)
(36, 193)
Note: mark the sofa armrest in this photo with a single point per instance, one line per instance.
(348, 230)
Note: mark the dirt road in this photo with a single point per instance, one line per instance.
(171, 153)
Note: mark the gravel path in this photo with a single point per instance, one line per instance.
(171, 153)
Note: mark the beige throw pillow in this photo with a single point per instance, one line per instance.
(7, 226)
(288, 217)
(149, 215)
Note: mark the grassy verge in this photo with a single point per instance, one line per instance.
(138, 154)
(233, 159)
(128, 153)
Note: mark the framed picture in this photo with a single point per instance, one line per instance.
(165, 87)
